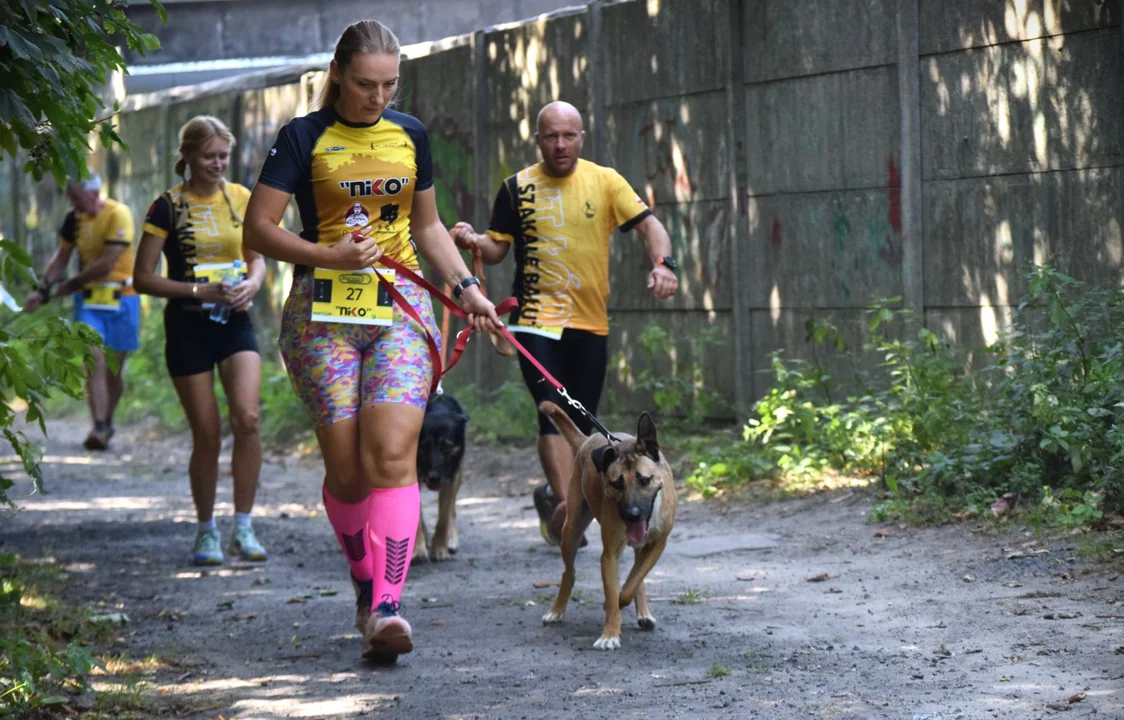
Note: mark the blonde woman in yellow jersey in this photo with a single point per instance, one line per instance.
(355, 165)
(198, 226)
(560, 214)
(101, 229)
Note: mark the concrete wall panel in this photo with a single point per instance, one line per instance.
(529, 66)
(628, 359)
(825, 132)
(435, 89)
(681, 49)
(1025, 107)
(672, 151)
(982, 235)
(700, 241)
(786, 330)
(959, 24)
(295, 28)
(789, 39)
(823, 250)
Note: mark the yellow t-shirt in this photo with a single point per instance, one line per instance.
(347, 177)
(561, 229)
(113, 225)
(198, 231)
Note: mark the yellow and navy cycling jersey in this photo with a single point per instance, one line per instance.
(561, 227)
(113, 225)
(349, 176)
(198, 230)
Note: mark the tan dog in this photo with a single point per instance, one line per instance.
(629, 489)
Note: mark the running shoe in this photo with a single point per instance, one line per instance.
(388, 634)
(208, 548)
(245, 545)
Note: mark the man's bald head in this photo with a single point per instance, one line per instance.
(558, 111)
(559, 135)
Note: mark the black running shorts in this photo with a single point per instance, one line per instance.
(195, 344)
(578, 360)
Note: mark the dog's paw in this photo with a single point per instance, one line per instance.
(552, 618)
(608, 642)
(440, 553)
(421, 555)
(646, 622)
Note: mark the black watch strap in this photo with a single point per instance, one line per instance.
(464, 285)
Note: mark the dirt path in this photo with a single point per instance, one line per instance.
(895, 632)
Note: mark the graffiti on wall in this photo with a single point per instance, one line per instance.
(865, 234)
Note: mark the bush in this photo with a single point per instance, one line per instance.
(677, 381)
(43, 661)
(506, 414)
(39, 356)
(1040, 422)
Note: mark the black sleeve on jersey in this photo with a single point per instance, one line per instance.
(290, 159)
(160, 214)
(505, 211)
(635, 221)
(69, 229)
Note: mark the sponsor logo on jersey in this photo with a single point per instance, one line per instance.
(377, 187)
(357, 216)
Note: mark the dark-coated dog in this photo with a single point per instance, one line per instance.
(440, 456)
(628, 487)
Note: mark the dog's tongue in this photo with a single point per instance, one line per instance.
(636, 531)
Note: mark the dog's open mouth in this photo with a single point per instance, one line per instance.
(636, 531)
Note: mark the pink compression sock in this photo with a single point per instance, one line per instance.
(394, 525)
(350, 523)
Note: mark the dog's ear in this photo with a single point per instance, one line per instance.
(646, 442)
(603, 457)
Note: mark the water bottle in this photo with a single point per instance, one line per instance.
(221, 313)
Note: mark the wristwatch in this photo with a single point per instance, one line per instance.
(464, 285)
(668, 262)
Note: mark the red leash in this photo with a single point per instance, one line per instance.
(462, 337)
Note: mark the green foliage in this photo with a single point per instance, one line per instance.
(54, 59)
(44, 659)
(39, 356)
(1040, 423)
(506, 414)
(678, 387)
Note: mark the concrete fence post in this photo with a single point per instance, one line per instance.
(739, 202)
(597, 55)
(480, 147)
(909, 99)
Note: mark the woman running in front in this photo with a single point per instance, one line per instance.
(361, 367)
(198, 226)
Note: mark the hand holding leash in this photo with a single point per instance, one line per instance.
(353, 252)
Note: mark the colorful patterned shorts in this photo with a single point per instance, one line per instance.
(336, 367)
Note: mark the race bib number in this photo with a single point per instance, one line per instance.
(352, 296)
(230, 273)
(554, 333)
(102, 296)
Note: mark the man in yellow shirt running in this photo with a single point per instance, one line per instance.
(560, 215)
(102, 231)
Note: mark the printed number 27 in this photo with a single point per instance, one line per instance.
(354, 293)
